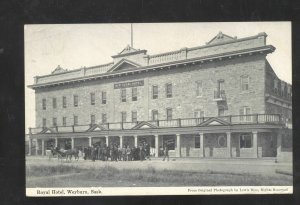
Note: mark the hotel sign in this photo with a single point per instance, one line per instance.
(129, 84)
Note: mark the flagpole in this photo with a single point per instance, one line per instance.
(131, 36)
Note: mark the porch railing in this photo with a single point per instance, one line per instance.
(186, 122)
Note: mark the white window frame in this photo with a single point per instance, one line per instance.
(169, 92)
(245, 80)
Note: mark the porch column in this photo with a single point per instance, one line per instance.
(178, 153)
(121, 141)
(279, 142)
(90, 141)
(229, 143)
(202, 150)
(43, 147)
(106, 140)
(29, 146)
(156, 146)
(72, 142)
(56, 142)
(36, 147)
(135, 141)
(254, 134)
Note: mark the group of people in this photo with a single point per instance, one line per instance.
(114, 152)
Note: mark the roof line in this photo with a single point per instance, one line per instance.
(258, 49)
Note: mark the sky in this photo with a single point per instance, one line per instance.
(76, 45)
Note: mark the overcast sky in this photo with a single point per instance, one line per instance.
(75, 45)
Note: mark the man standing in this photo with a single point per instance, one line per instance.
(166, 151)
(147, 150)
(141, 152)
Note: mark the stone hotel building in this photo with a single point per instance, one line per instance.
(219, 100)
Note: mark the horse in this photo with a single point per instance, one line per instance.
(68, 154)
(56, 151)
(72, 152)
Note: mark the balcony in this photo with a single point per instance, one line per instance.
(273, 119)
(219, 95)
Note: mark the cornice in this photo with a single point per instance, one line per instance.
(168, 65)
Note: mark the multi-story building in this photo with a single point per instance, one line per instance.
(222, 99)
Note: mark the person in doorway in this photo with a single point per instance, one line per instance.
(166, 151)
(128, 153)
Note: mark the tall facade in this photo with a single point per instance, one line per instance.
(221, 99)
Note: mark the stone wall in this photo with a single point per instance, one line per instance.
(184, 101)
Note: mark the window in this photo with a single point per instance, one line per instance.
(245, 141)
(221, 86)
(54, 122)
(64, 102)
(279, 87)
(221, 111)
(288, 91)
(154, 115)
(197, 142)
(198, 113)
(134, 94)
(275, 86)
(169, 141)
(54, 102)
(104, 118)
(244, 82)
(123, 95)
(199, 88)
(44, 104)
(44, 122)
(92, 98)
(134, 116)
(123, 116)
(103, 97)
(169, 90)
(75, 120)
(285, 91)
(93, 119)
(282, 88)
(245, 111)
(154, 92)
(169, 113)
(75, 100)
(64, 121)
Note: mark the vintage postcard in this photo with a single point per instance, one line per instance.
(158, 109)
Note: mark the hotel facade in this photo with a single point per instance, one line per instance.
(219, 100)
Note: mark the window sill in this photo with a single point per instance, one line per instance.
(246, 92)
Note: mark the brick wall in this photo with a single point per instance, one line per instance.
(184, 101)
